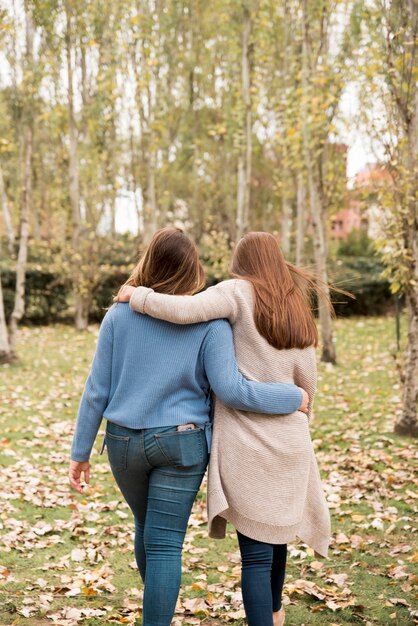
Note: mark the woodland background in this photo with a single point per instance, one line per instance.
(216, 116)
(117, 118)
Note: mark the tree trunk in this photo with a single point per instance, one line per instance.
(407, 424)
(286, 216)
(19, 303)
(5, 352)
(27, 199)
(245, 158)
(285, 174)
(133, 166)
(6, 215)
(240, 221)
(73, 132)
(80, 301)
(35, 209)
(148, 148)
(325, 321)
(300, 219)
(318, 223)
(112, 210)
(81, 309)
(150, 209)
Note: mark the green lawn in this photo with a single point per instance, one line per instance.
(65, 557)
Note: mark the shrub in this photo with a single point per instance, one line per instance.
(45, 292)
(104, 292)
(356, 244)
(362, 276)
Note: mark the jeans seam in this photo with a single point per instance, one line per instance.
(118, 437)
(144, 449)
(124, 460)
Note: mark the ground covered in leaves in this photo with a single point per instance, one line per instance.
(68, 559)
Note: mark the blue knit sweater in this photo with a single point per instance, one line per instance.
(148, 373)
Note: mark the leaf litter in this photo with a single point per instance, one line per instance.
(60, 549)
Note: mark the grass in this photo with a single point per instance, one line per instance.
(60, 552)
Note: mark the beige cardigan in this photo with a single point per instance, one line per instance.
(263, 475)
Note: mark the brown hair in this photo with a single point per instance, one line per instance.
(170, 264)
(282, 309)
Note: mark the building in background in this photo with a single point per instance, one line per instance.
(363, 210)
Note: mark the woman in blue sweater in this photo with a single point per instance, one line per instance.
(158, 410)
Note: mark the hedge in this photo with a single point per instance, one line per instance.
(49, 297)
(46, 296)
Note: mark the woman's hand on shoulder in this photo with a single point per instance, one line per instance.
(124, 293)
(305, 401)
(77, 468)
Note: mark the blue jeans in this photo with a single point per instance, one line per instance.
(263, 573)
(159, 471)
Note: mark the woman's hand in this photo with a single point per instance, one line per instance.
(305, 401)
(76, 469)
(124, 293)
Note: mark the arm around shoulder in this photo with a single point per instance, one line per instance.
(216, 302)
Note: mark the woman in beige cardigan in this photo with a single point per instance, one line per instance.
(263, 475)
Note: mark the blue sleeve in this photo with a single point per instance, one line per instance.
(233, 389)
(95, 396)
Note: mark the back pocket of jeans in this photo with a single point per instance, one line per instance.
(182, 448)
(117, 450)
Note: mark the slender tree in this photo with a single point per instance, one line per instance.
(392, 79)
(245, 155)
(325, 69)
(81, 299)
(27, 122)
(7, 217)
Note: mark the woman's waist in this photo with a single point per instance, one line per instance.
(155, 419)
(245, 424)
(124, 427)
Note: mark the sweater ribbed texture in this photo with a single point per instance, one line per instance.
(263, 475)
(148, 373)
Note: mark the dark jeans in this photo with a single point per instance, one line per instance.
(263, 572)
(159, 471)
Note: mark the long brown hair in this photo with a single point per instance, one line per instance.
(170, 264)
(283, 292)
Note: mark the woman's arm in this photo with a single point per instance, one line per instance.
(305, 375)
(95, 396)
(233, 389)
(216, 302)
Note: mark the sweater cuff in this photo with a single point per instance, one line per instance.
(79, 459)
(138, 299)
